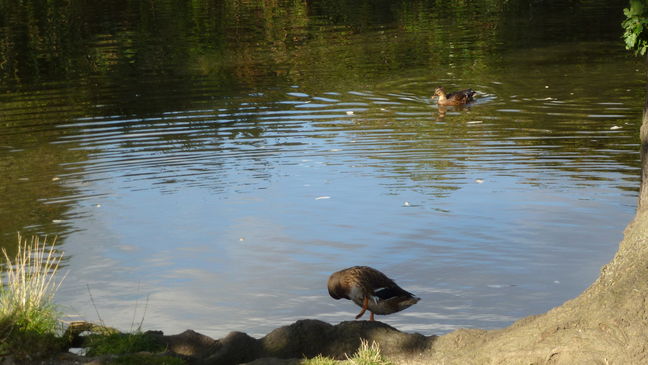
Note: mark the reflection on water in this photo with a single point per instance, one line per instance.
(216, 172)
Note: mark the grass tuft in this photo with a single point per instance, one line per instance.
(367, 354)
(28, 318)
(319, 360)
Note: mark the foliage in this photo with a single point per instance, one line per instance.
(122, 343)
(28, 318)
(636, 26)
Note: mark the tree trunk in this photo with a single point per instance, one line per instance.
(643, 134)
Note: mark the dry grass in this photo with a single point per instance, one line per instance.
(367, 354)
(30, 283)
(26, 296)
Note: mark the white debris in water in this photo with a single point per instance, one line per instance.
(406, 204)
(56, 178)
(350, 112)
(479, 181)
(335, 150)
(79, 351)
(57, 221)
(322, 197)
(97, 205)
(241, 239)
(556, 281)
(615, 127)
(546, 86)
(475, 121)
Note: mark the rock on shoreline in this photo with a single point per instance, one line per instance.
(304, 338)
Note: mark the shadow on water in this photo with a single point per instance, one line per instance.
(235, 153)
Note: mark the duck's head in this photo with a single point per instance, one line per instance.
(439, 91)
(335, 287)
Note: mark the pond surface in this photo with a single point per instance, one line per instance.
(208, 165)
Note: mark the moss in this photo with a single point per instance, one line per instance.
(122, 343)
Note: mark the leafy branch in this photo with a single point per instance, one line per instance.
(636, 26)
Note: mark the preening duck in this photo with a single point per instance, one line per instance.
(456, 98)
(371, 290)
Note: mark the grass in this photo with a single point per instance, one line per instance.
(122, 343)
(29, 322)
(146, 359)
(135, 348)
(367, 354)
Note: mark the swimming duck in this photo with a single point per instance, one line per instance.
(370, 289)
(456, 98)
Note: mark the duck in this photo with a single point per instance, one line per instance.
(460, 97)
(371, 290)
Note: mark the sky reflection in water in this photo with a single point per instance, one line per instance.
(220, 193)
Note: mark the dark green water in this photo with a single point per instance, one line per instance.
(223, 158)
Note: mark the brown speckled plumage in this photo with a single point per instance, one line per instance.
(456, 98)
(369, 289)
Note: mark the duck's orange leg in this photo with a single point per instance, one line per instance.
(371, 317)
(365, 303)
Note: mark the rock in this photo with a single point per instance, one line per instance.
(190, 343)
(304, 338)
(235, 348)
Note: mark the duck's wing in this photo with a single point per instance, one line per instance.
(462, 95)
(372, 280)
(387, 293)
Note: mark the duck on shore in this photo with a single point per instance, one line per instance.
(460, 97)
(370, 289)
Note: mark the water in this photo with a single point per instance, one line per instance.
(208, 167)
